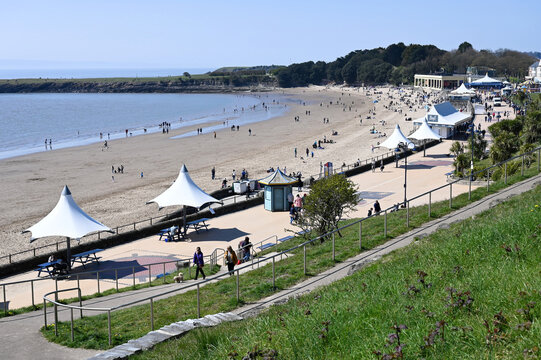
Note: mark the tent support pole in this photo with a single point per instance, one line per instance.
(184, 217)
(68, 259)
(424, 148)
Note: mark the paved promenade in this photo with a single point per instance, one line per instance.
(21, 338)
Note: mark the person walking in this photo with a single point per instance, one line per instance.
(234, 174)
(373, 165)
(298, 203)
(230, 259)
(199, 262)
(381, 167)
(377, 207)
(213, 172)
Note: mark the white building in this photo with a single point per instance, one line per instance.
(534, 71)
(443, 119)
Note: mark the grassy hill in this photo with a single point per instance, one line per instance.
(469, 292)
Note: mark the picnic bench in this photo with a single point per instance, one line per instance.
(198, 224)
(48, 267)
(170, 233)
(266, 246)
(86, 257)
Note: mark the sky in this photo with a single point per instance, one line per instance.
(211, 34)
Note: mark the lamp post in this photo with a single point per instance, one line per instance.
(471, 129)
(404, 147)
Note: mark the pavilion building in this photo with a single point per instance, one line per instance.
(444, 119)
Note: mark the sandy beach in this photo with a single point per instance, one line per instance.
(31, 184)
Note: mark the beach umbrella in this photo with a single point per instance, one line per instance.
(424, 132)
(184, 192)
(66, 219)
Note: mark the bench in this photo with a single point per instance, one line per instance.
(266, 246)
(86, 257)
(170, 235)
(286, 238)
(198, 224)
(48, 267)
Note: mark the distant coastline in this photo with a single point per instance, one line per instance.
(203, 83)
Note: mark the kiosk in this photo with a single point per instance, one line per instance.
(277, 188)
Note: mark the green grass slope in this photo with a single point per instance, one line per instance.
(469, 292)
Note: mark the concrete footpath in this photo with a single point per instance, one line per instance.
(21, 338)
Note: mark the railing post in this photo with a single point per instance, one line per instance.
(150, 221)
(429, 204)
(198, 303)
(304, 258)
(78, 282)
(10, 258)
(5, 302)
(360, 235)
(32, 288)
(333, 254)
(80, 302)
(407, 214)
(152, 314)
(189, 272)
(56, 317)
(149, 276)
(522, 168)
(133, 275)
(538, 159)
(109, 326)
(488, 178)
(71, 325)
(45, 313)
(164, 273)
(385, 225)
(133, 226)
(450, 196)
(238, 286)
(116, 279)
(57, 246)
(273, 275)
(505, 181)
(98, 280)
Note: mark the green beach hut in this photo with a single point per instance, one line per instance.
(277, 188)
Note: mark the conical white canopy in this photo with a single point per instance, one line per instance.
(66, 219)
(424, 132)
(486, 80)
(396, 138)
(463, 90)
(183, 192)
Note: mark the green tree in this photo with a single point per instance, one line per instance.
(329, 200)
(504, 146)
(465, 46)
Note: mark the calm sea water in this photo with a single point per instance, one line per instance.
(82, 73)
(26, 120)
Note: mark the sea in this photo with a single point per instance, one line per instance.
(74, 119)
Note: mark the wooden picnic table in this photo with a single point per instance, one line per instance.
(49, 267)
(198, 224)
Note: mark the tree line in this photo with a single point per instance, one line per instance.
(398, 63)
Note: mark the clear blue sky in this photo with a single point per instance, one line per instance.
(210, 34)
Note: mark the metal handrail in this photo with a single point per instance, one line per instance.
(284, 252)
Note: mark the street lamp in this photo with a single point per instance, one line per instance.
(404, 147)
(471, 130)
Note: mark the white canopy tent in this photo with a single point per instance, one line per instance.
(424, 132)
(462, 90)
(443, 118)
(396, 138)
(184, 192)
(66, 219)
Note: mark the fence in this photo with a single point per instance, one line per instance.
(330, 235)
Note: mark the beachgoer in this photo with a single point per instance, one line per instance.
(381, 167)
(369, 212)
(213, 173)
(292, 214)
(199, 262)
(141, 174)
(234, 174)
(230, 259)
(298, 203)
(249, 132)
(248, 191)
(247, 247)
(373, 165)
(215, 134)
(307, 152)
(377, 207)
(295, 152)
(290, 199)
(224, 183)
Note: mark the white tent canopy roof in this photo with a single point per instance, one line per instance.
(278, 178)
(463, 90)
(183, 192)
(396, 138)
(66, 219)
(424, 132)
(486, 80)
